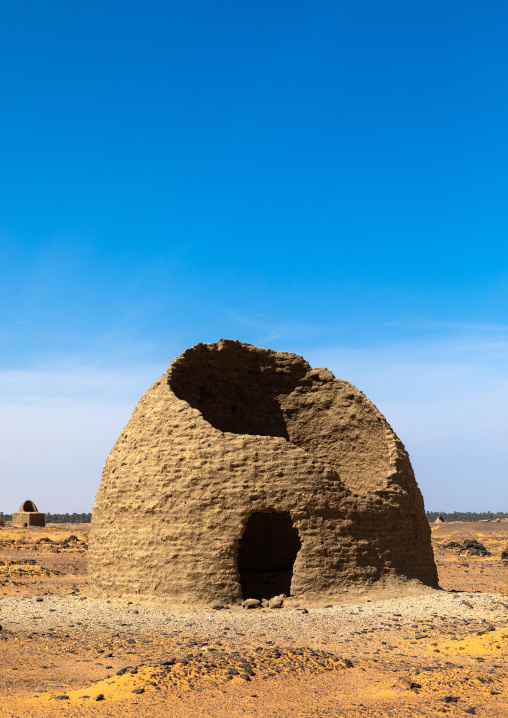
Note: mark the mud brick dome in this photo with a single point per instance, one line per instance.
(242, 473)
(28, 515)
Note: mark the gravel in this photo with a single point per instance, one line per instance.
(320, 624)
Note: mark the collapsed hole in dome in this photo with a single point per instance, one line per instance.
(266, 555)
(237, 390)
(29, 506)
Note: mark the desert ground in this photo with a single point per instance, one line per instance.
(66, 654)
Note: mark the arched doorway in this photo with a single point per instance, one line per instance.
(266, 554)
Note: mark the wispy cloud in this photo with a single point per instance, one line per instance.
(446, 399)
(84, 383)
(268, 329)
(56, 428)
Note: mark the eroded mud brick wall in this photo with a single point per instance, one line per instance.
(232, 430)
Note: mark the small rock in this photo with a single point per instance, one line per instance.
(470, 710)
(302, 610)
(216, 606)
(99, 697)
(489, 629)
(401, 685)
(251, 603)
(61, 698)
(138, 690)
(276, 602)
(39, 600)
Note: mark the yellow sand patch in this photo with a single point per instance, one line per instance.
(35, 533)
(492, 642)
(457, 682)
(448, 682)
(23, 569)
(200, 671)
(115, 687)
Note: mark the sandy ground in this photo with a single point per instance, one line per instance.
(62, 653)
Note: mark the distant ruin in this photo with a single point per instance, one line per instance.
(28, 515)
(242, 473)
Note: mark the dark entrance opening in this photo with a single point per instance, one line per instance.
(266, 555)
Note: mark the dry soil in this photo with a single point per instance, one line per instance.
(62, 653)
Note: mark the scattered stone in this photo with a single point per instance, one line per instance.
(471, 547)
(138, 690)
(277, 601)
(470, 710)
(251, 603)
(452, 545)
(99, 697)
(402, 684)
(489, 629)
(62, 698)
(171, 662)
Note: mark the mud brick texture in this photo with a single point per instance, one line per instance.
(231, 432)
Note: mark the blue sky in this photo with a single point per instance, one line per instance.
(324, 178)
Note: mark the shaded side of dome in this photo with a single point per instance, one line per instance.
(237, 387)
(28, 506)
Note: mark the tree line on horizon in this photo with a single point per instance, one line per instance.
(466, 515)
(431, 516)
(57, 518)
